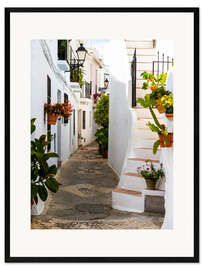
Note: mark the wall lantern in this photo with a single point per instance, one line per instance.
(78, 61)
(106, 83)
(81, 53)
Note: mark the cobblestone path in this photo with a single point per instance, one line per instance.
(84, 198)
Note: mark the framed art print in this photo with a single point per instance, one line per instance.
(102, 134)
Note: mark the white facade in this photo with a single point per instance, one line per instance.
(45, 72)
(43, 68)
(130, 141)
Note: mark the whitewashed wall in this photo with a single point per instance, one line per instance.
(116, 58)
(43, 63)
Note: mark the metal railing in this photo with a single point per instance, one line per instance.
(134, 77)
(163, 65)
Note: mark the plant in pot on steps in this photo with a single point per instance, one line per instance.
(165, 138)
(43, 176)
(150, 174)
(162, 97)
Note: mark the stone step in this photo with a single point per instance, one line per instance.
(147, 51)
(145, 113)
(131, 182)
(144, 159)
(141, 123)
(146, 153)
(144, 143)
(127, 200)
(126, 191)
(138, 201)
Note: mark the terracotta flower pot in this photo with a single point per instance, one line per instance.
(151, 184)
(105, 154)
(52, 118)
(169, 114)
(169, 140)
(160, 108)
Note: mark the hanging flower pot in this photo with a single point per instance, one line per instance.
(159, 107)
(52, 118)
(169, 140)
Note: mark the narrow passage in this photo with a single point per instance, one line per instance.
(84, 198)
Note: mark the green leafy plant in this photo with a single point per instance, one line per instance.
(148, 171)
(148, 102)
(77, 75)
(102, 138)
(152, 82)
(101, 114)
(158, 98)
(43, 176)
(167, 101)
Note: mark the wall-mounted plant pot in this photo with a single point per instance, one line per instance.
(52, 118)
(151, 184)
(169, 140)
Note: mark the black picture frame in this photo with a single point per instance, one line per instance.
(8, 257)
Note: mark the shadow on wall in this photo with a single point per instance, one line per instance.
(119, 123)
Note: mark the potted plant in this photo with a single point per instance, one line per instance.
(157, 86)
(165, 138)
(77, 75)
(167, 102)
(150, 174)
(43, 176)
(101, 118)
(102, 140)
(56, 110)
(66, 110)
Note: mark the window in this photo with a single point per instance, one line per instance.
(83, 119)
(62, 49)
(48, 102)
(65, 101)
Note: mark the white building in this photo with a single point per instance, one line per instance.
(130, 140)
(51, 83)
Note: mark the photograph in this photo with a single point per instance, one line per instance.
(101, 134)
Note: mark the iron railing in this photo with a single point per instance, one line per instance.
(163, 65)
(133, 75)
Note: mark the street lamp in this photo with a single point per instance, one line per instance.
(106, 83)
(81, 53)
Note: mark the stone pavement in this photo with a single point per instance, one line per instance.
(84, 198)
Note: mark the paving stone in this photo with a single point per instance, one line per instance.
(84, 199)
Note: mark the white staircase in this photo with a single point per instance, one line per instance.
(131, 193)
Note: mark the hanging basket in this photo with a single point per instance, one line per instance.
(151, 184)
(169, 140)
(52, 118)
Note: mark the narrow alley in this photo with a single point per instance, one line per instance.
(84, 199)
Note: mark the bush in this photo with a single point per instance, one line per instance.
(101, 114)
